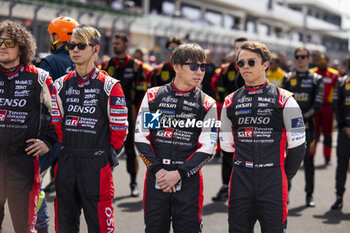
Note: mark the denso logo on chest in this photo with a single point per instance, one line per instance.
(81, 109)
(12, 102)
(253, 120)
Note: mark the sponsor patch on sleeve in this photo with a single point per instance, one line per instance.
(118, 120)
(118, 101)
(116, 127)
(297, 122)
(120, 111)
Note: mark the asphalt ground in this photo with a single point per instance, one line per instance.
(320, 219)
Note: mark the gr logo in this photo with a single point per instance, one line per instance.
(72, 120)
(3, 115)
(151, 120)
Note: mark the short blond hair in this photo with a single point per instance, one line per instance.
(87, 34)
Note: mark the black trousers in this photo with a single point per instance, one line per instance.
(183, 208)
(343, 156)
(84, 180)
(19, 186)
(258, 194)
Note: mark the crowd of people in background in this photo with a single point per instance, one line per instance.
(320, 87)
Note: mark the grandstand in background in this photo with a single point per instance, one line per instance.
(214, 24)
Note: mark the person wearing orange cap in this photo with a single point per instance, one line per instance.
(57, 64)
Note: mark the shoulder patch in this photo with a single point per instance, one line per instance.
(333, 71)
(59, 84)
(42, 76)
(229, 99)
(152, 93)
(208, 102)
(109, 84)
(284, 95)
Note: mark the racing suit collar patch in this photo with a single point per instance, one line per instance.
(85, 81)
(259, 89)
(12, 73)
(179, 92)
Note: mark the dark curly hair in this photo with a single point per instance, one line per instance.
(22, 37)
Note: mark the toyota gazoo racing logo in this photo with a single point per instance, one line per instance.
(245, 132)
(72, 120)
(155, 120)
(3, 115)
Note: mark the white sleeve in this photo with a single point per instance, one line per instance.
(294, 123)
(226, 132)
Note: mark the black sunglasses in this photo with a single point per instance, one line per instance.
(194, 66)
(241, 63)
(300, 56)
(9, 43)
(81, 46)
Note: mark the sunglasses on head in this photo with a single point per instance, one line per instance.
(9, 43)
(194, 66)
(300, 56)
(81, 46)
(241, 63)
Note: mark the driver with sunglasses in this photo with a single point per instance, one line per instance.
(25, 95)
(308, 92)
(173, 149)
(258, 120)
(90, 116)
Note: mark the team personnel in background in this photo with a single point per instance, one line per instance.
(283, 62)
(25, 92)
(324, 119)
(315, 56)
(164, 73)
(307, 88)
(138, 54)
(341, 109)
(131, 75)
(257, 122)
(275, 74)
(90, 117)
(208, 76)
(175, 154)
(57, 64)
(226, 80)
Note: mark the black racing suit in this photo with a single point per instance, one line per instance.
(307, 88)
(23, 94)
(131, 75)
(163, 74)
(91, 120)
(341, 108)
(174, 141)
(256, 124)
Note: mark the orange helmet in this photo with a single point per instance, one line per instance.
(63, 27)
